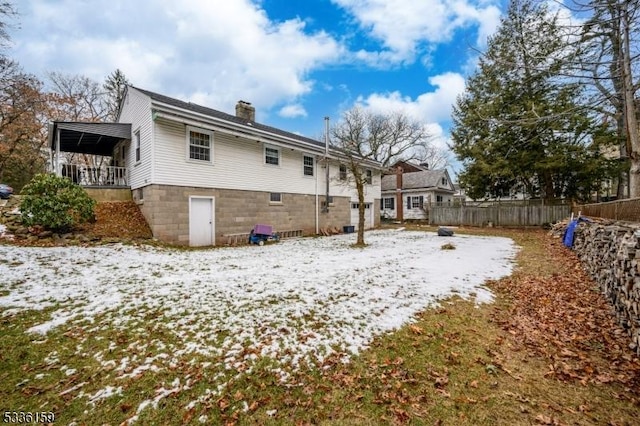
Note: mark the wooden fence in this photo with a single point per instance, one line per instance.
(498, 215)
(628, 210)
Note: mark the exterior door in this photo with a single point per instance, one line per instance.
(201, 221)
(368, 215)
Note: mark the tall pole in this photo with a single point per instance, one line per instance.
(326, 161)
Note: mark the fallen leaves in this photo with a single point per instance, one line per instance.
(561, 318)
(121, 219)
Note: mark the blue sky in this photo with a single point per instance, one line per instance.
(295, 61)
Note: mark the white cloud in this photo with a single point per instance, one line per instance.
(293, 110)
(428, 107)
(215, 51)
(404, 25)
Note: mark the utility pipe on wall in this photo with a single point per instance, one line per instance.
(326, 161)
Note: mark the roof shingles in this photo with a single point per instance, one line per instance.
(199, 109)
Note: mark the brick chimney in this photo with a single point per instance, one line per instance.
(245, 110)
(399, 203)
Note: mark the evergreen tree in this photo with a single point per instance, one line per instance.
(114, 85)
(520, 121)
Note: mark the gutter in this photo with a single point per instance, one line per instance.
(204, 121)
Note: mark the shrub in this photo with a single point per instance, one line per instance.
(55, 203)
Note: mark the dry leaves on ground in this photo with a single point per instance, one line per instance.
(121, 219)
(566, 319)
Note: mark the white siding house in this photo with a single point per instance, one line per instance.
(408, 196)
(200, 175)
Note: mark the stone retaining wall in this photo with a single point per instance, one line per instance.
(611, 254)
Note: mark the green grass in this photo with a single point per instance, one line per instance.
(453, 365)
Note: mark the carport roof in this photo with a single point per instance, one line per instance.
(88, 138)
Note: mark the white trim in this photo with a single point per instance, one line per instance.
(137, 146)
(273, 148)
(209, 133)
(276, 203)
(213, 215)
(313, 166)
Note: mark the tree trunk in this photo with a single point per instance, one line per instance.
(633, 138)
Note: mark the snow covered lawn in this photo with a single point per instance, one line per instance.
(294, 301)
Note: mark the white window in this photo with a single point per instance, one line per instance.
(275, 197)
(368, 176)
(389, 203)
(137, 142)
(271, 155)
(444, 181)
(343, 172)
(439, 199)
(200, 144)
(415, 202)
(307, 165)
(357, 206)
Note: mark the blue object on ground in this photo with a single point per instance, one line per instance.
(569, 233)
(260, 234)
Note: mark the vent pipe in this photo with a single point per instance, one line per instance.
(326, 161)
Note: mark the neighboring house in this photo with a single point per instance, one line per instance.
(200, 175)
(516, 193)
(409, 195)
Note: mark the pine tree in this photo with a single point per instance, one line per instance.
(520, 121)
(114, 86)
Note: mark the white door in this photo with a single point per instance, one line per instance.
(368, 211)
(201, 221)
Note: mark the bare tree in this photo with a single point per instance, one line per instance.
(78, 98)
(365, 138)
(7, 12)
(609, 62)
(82, 99)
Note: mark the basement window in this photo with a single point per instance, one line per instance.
(275, 198)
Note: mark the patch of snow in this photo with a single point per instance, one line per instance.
(5, 234)
(105, 393)
(296, 302)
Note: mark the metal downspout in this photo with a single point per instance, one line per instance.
(326, 161)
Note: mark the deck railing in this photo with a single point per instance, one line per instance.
(96, 176)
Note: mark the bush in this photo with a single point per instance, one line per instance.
(55, 203)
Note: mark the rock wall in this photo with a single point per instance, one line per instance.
(610, 252)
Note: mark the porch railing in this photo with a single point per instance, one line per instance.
(96, 176)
